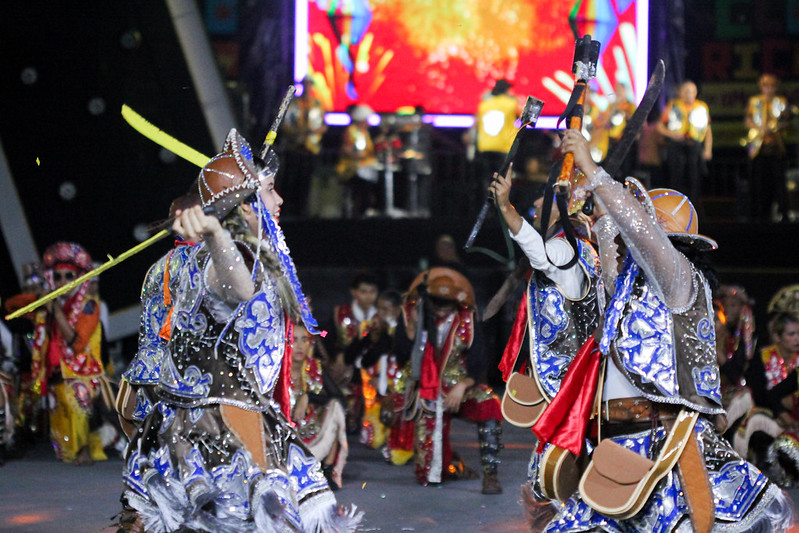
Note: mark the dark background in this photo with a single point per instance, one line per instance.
(126, 51)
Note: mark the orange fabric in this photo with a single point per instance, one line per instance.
(87, 323)
(166, 329)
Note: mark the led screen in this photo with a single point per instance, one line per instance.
(446, 54)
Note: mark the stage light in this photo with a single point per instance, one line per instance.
(140, 232)
(96, 106)
(67, 191)
(166, 156)
(130, 40)
(29, 75)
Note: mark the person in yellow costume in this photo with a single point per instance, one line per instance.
(767, 117)
(66, 356)
(685, 123)
(495, 128)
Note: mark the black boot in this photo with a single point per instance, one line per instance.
(489, 434)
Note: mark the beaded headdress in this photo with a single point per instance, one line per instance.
(232, 177)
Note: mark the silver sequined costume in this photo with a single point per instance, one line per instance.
(668, 355)
(188, 467)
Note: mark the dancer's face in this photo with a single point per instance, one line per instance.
(365, 295)
(62, 276)
(302, 343)
(788, 342)
(271, 199)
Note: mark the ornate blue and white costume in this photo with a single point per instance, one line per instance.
(563, 310)
(667, 355)
(190, 466)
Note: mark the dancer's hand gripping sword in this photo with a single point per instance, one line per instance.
(529, 117)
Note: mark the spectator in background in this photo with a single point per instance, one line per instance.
(685, 123)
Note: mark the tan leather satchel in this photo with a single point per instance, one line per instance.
(523, 402)
(618, 482)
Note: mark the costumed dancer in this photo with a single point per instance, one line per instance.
(772, 434)
(446, 362)
(735, 346)
(383, 377)
(8, 380)
(136, 395)
(353, 320)
(67, 368)
(560, 310)
(218, 452)
(136, 388)
(672, 471)
(317, 408)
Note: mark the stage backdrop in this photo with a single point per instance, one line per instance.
(446, 54)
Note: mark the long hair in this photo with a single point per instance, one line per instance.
(700, 259)
(239, 230)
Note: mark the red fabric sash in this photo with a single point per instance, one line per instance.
(428, 381)
(565, 421)
(511, 352)
(282, 392)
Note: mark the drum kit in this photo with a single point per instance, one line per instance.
(402, 150)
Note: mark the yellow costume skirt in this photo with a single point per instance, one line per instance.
(69, 420)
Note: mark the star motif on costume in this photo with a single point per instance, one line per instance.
(303, 470)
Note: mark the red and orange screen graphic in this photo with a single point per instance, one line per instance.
(446, 54)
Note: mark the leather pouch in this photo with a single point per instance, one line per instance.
(523, 403)
(618, 481)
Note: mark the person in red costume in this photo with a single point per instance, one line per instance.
(443, 344)
(67, 367)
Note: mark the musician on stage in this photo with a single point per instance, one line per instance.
(301, 145)
(357, 166)
(685, 123)
(495, 126)
(766, 117)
